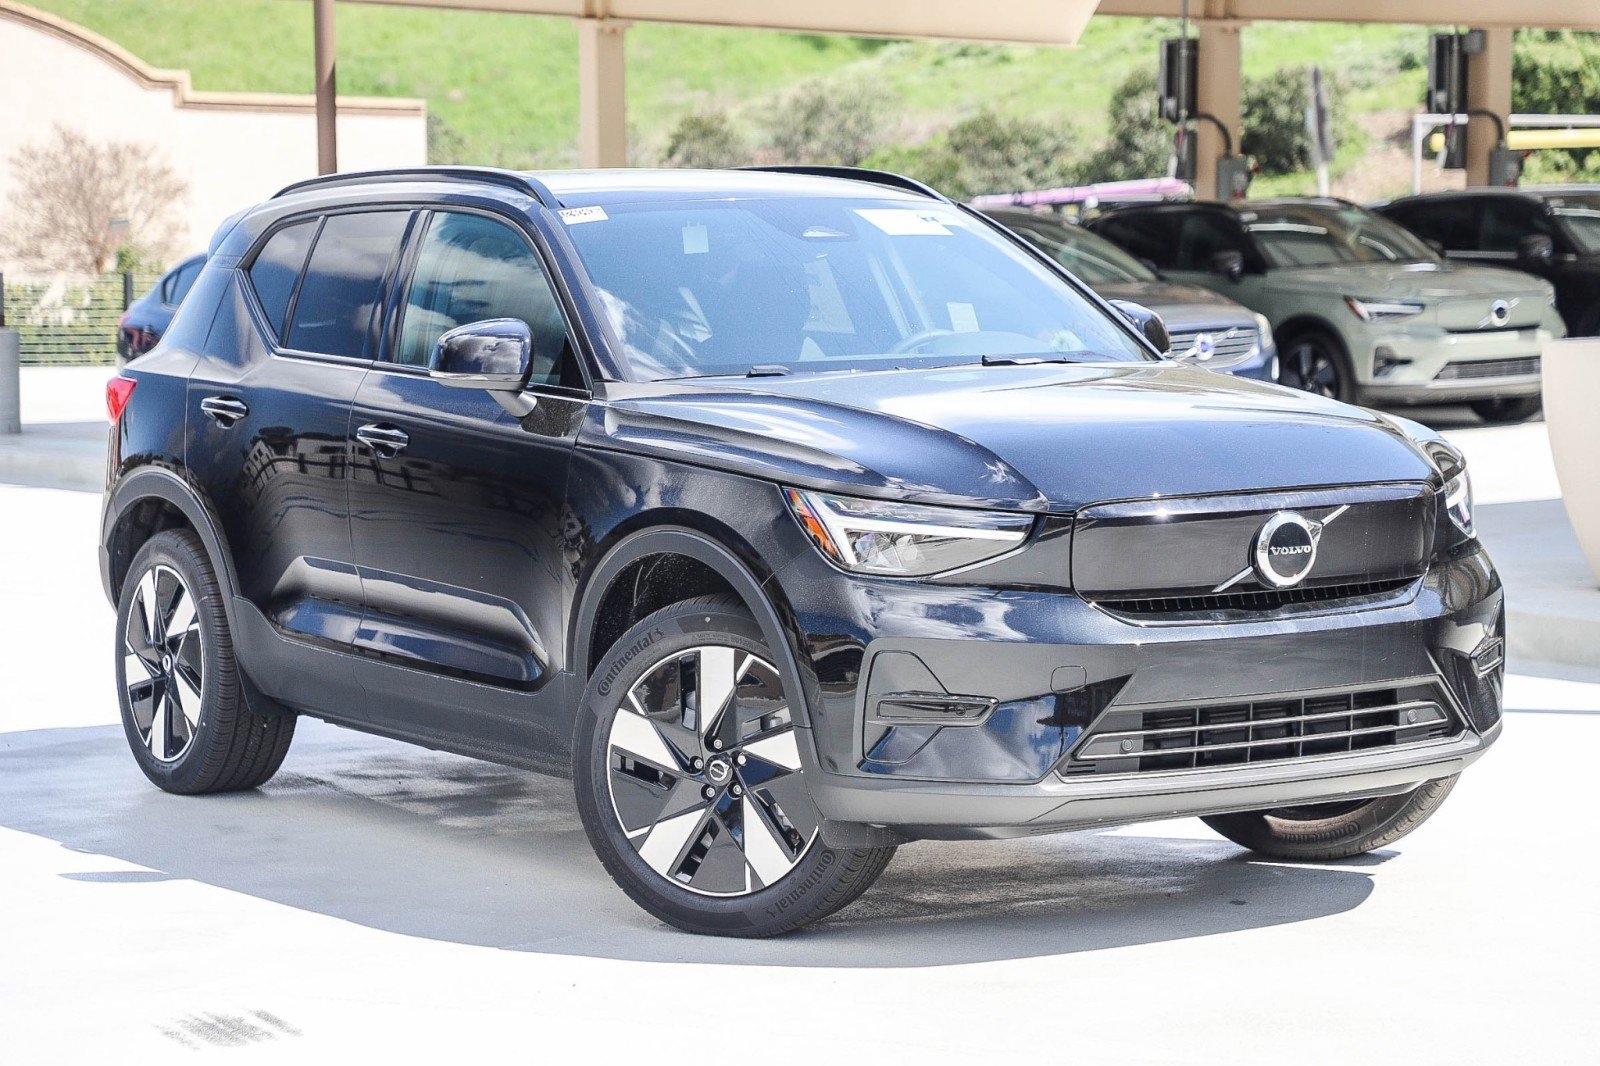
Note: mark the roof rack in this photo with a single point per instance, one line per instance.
(475, 175)
(876, 177)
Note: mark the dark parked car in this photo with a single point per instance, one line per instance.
(147, 318)
(1203, 325)
(1552, 231)
(795, 515)
(1363, 310)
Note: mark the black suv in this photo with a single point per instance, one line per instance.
(1552, 231)
(795, 515)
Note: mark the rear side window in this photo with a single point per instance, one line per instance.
(277, 268)
(344, 283)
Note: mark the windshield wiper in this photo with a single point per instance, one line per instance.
(768, 370)
(1026, 360)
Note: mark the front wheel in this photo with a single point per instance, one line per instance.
(1321, 832)
(690, 785)
(1507, 410)
(1313, 361)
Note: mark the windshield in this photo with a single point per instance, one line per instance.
(1091, 258)
(1304, 235)
(1582, 216)
(812, 284)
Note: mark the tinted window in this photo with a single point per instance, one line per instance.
(1450, 222)
(1090, 258)
(1506, 221)
(181, 281)
(1201, 236)
(822, 284)
(344, 282)
(1150, 235)
(277, 268)
(1581, 214)
(471, 268)
(1304, 235)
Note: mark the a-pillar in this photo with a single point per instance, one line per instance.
(1488, 89)
(1217, 94)
(602, 97)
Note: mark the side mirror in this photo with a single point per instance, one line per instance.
(1535, 248)
(1146, 322)
(1229, 264)
(495, 354)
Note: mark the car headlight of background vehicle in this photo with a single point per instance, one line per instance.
(903, 539)
(1457, 493)
(1263, 332)
(1383, 310)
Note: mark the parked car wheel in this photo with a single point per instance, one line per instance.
(689, 780)
(183, 708)
(1314, 361)
(1518, 409)
(1326, 831)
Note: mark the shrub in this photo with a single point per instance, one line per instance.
(1140, 143)
(706, 140)
(1558, 72)
(826, 122)
(1275, 118)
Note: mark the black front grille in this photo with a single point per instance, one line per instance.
(1269, 730)
(1253, 600)
(1489, 368)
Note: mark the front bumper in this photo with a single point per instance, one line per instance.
(1417, 359)
(1039, 668)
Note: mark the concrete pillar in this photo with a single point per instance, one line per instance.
(1217, 93)
(10, 381)
(602, 97)
(1488, 89)
(327, 99)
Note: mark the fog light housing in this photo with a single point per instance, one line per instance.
(1385, 361)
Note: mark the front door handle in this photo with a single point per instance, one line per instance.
(225, 409)
(385, 441)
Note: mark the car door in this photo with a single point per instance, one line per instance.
(269, 416)
(456, 504)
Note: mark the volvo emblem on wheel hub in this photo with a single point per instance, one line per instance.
(719, 771)
(1286, 549)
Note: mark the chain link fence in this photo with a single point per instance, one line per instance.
(69, 319)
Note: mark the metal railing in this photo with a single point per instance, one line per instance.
(69, 319)
(1422, 125)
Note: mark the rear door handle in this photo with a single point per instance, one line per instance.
(385, 441)
(225, 409)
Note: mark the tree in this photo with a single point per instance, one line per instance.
(706, 140)
(72, 196)
(826, 122)
(1275, 118)
(1140, 143)
(1557, 72)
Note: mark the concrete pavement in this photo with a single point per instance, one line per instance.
(384, 902)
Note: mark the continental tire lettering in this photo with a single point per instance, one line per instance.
(628, 656)
(795, 894)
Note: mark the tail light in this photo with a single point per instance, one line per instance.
(119, 391)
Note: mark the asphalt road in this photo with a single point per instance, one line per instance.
(388, 903)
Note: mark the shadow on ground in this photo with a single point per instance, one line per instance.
(430, 845)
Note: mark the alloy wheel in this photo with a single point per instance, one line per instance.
(164, 663)
(704, 773)
(1309, 367)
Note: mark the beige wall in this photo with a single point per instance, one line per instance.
(231, 149)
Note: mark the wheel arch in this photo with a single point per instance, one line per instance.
(1305, 322)
(696, 563)
(151, 501)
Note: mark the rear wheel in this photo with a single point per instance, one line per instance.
(183, 708)
(690, 786)
(1519, 409)
(1314, 361)
(1339, 830)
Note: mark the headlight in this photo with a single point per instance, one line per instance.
(1457, 486)
(1263, 332)
(903, 539)
(1383, 310)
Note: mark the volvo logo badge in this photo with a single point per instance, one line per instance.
(1285, 550)
(719, 772)
(1499, 313)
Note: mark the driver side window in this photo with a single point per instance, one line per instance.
(472, 268)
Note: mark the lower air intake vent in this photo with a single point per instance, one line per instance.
(1189, 738)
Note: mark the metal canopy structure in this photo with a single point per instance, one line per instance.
(602, 109)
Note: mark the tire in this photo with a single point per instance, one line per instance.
(1509, 410)
(1326, 831)
(666, 795)
(183, 708)
(1314, 361)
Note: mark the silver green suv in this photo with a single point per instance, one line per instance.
(1363, 310)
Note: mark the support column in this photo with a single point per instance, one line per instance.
(1488, 89)
(327, 99)
(1217, 93)
(602, 97)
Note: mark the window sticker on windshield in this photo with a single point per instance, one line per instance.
(572, 216)
(963, 318)
(897, 222)
(696, 241)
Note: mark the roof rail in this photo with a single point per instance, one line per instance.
(876, 177)
(477, 175)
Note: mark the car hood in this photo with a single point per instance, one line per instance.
(1407, 281)
(1183, 308)
(1046, 437)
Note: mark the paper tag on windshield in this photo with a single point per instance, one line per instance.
(963, 318)
(695, 240)
(904, 223)
(572, 216)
